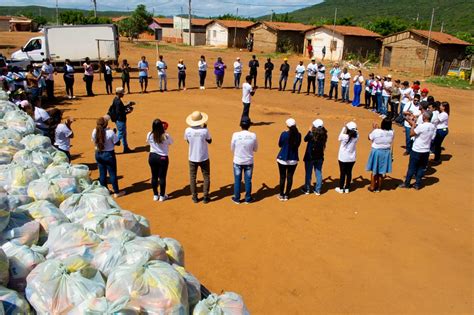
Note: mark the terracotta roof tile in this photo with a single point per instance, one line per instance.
(201, 22)
(234, 23)
(283, 26)
(350, 30)
(441, 38)
(163, 20)
(119, 18)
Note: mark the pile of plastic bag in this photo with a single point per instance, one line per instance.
(67, 247)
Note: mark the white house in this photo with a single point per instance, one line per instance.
(228, 33)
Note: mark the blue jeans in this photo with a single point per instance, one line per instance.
(248, 171)
(416, 167)
(345, 93)
(408, 141)
(284, 79)
(378, 96)
(106, 162)
(300, 81)
(357, 91)
(384, 107)
(237, 80)
(122, 132)
(334, 87)
(317, 166)
(320, 87)
(438, 141)
(163, 81)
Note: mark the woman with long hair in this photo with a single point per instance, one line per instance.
(105, 141)
(314, 155)
(159, 141)
(441, 130)
(202, 68)
(380, 158)
(287, 158)
(88, 76)
(347, 155)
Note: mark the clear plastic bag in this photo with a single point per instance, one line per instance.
(19, 121)
(8, 149)
(175, 251)
(78, 171)
(193, 285)
(21, 229)
(4, 268)
(55, 190)
(111, 223)
(39, 158)
(19, 176)
(22, 259)
(57, 287)
(9, 203)
(102, 306)
(228, 303)
(13, 303)
(153, 287)
(37, 142)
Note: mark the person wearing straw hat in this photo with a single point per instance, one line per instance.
(237, 72)
(314, 155)
(284, 72)
(287, 158)
(198, 137)
(347, 155)
(181, 75)
(118, 113)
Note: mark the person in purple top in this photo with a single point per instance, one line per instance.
(219, 70)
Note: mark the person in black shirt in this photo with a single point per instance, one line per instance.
(253, 65)
(120, 112)
(268, 73)
(314, 155)
(284, 69)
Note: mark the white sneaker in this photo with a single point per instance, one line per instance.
(317, 193)
(281, 197)
(339, 190)
(69, 97)
(163, 198)
(156, 198)
(74, 97)
(346, 191)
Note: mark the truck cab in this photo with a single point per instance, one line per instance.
(34, 50)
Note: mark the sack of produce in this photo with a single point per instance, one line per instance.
(37, 142)
(193, 285)
(59, 157)
(175, 251)
(22, 259)
(127, 249)
(71, 239)
(39, 158)
(96, 306)
(19, 176)
(55, 190)
(57, 287)
(6, 106)
(4, 268)
(78, 171)
(8, 148)
(153, 287)
(112, 223)
(21, 229)
(228, 303)
(19, 121)
(13, 303)
(9, 203)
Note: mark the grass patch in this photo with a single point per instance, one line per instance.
(275, 55)
(451, 82)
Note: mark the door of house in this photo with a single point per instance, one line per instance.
(387, 56)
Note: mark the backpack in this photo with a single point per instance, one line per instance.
(112, 112)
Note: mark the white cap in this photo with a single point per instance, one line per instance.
(24, 103)
(389, 76)
(290, 122)
(318, 123)
(119, 90)
(351, 125)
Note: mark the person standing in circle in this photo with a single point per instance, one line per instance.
(312, 70)
(253, 65)
(88, 76)
(143, 74)
(299, 75)
(237, 72)
(125, 75)
(347, 156)
(48, 72)
(268, 73)
(441, 130)
(159, 141)
(219, 71)
(68, 76)
(202, 68)
(358, 81)
(321, 78)
(284, 72)
(247, 92)
(181, 75)
(108, 78)
(287, 158)
(161, 67)
(314, 156)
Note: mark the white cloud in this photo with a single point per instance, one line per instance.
(250, 8)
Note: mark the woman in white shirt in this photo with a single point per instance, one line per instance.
(358, 81)
(202, 67)
(237, 72)
(347, 155)
(159, 141)
(380, 158)
(441, 130)
(105, 141)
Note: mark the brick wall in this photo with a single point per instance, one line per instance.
(264, 39)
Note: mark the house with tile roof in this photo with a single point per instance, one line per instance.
(228, 33)
(278, 36)
(408, 50)
(340, 40)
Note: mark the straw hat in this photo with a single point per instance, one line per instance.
(197, 118)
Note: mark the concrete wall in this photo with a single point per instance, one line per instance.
(217, 35)
(197, 39)
(4, 25)
(322, 37)
(264, 39)
(171, 35)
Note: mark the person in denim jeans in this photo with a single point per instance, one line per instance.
(120, 116)
(237, 72)
(105, 140)
(335, 72)
(314, 156)
(321, 77)
(161, 67)
(284, 71)
(387, 85)
(345, 85)
(244, 144)
(299, 75)
(441, 130)
(410, 110)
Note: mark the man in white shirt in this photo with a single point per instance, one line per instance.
(161, 67)
(312, 70)
(47, 71)
(198, 137)
(335, 72)
(386, 92)
(237, 72)
(299, 74)
(411, 111)
(321, 77)
(420, 152)
(244, 145)
(247, 92)
(345, 82)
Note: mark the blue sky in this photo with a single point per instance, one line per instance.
(170, 7)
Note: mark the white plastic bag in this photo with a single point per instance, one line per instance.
(111, 223)
(102, 306)
(127, 249)
(228, 303)
(4, 268)
(71, 239)
(21, 229)
(193, 285)
(8, 148)
(78, 171)
(39, 158)
(57, 287)
(17, 177)
(175, 251)
(19, 121)
(37, 142)
(13, 303)
(22, 259)
(153, 287)
(55, 190)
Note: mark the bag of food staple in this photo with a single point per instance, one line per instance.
(4, 268)
(111, 223)
(9, 203)
(144, 224)
(57, 287)
(46, 214)
(59, 157)
(13, 303)
(39, 158)
(55, 190)
(193, 285)
(37, 142)
(175, 251)
(9, 134)
(127, 249)
(21, 229)
(78, 171)
(19, 121)
(6, 106)
(22, 259)
(8, 148)
(19, 176)
(71, 239)
(154, 287)
(228, 303)
(102, 306)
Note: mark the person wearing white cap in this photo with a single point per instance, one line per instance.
(237, 72)
(386, 93)
(198, 137)
(347, 155)
(314, 155)
(118, 114)
(312, 70)
(287, 158)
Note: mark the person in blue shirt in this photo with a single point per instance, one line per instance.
(143, 74)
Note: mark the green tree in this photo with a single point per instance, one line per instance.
(137, 23)
(349, 21)
(465, 36)
(38, 19)
(72, 17)
(387, 25)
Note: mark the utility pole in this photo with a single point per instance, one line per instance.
(57, 13)
(95, 8)
(190, 22)
(428, 42)
(442, 27)
(235, 30)
(333, 30)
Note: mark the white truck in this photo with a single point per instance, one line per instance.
(76, 42)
